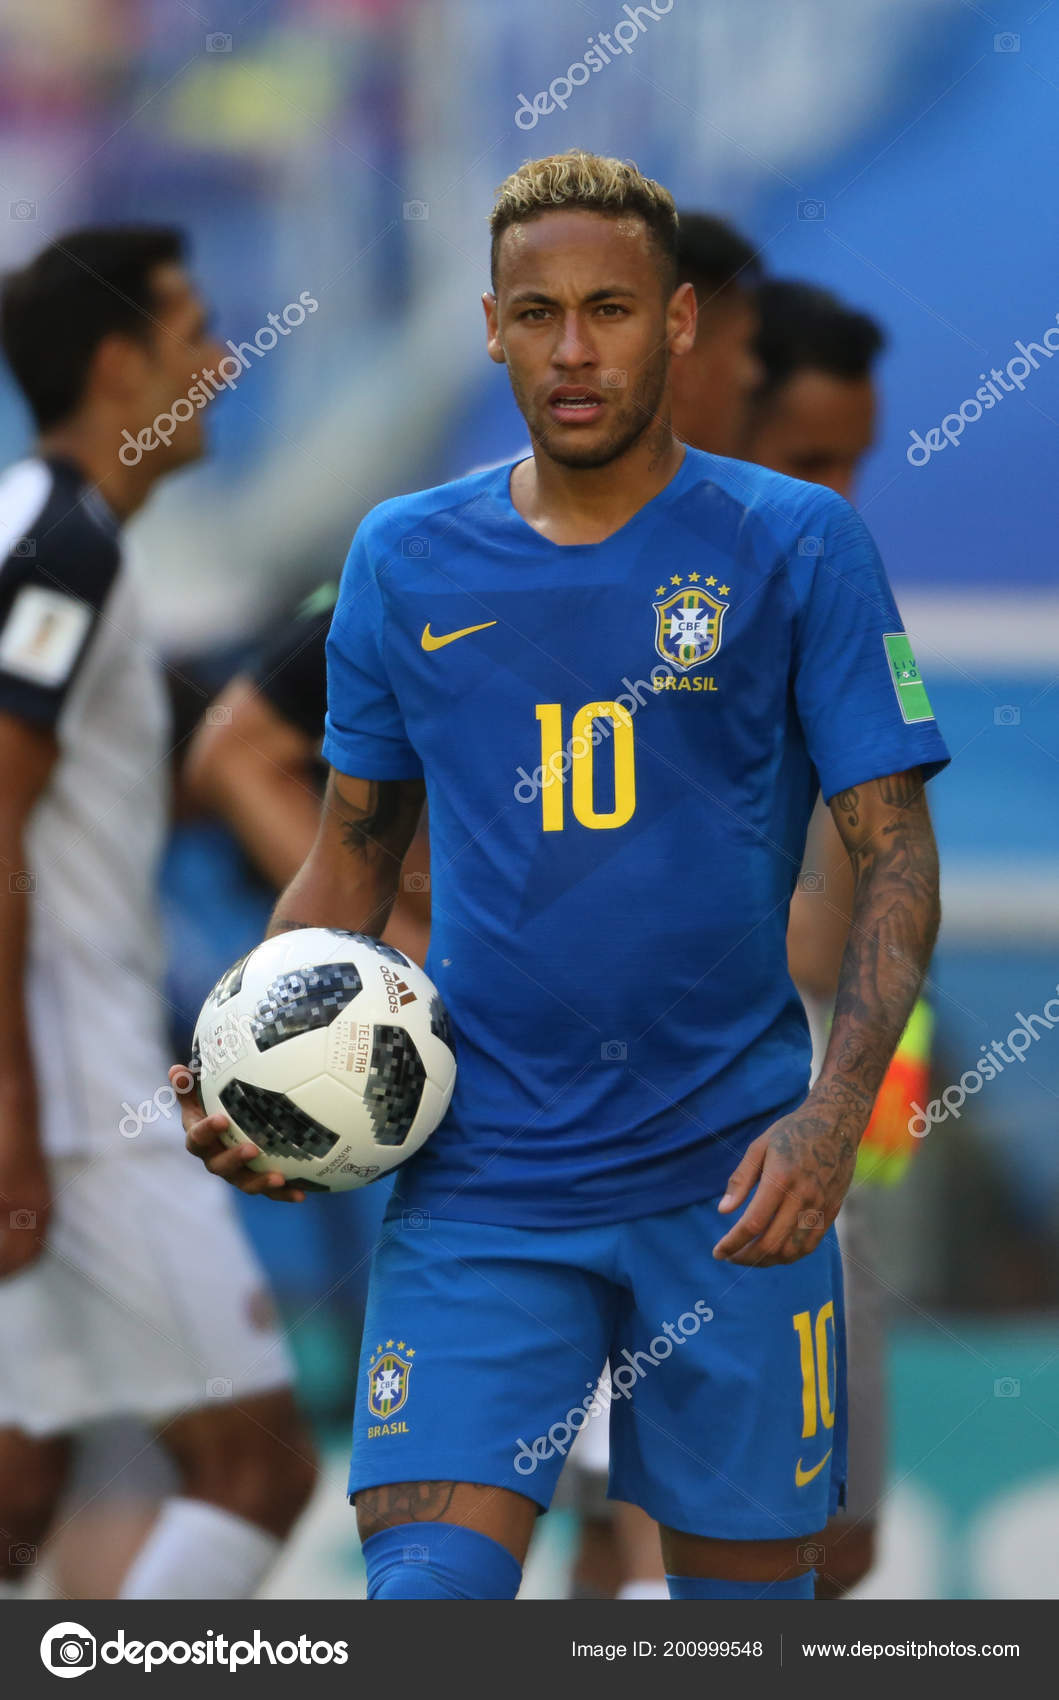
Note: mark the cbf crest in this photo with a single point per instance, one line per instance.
(688, 622)
(388, 1377)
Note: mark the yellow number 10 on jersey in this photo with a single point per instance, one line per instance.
(579, 760)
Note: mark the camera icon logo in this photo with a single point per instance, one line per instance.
(23, 209)
(812, 210)
(415, 1218)
(416, 882)
(1007, 42)
(23, 1219)
(614, 378)
(68, 1649)
(810, 545)
(1008, 714)
(416, 209)
(218, 1387)
(218, 43)
(1007, 1387)
(613, 1050)
(415, 548)
(812, 881)
(26, 547)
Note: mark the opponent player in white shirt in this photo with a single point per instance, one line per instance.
(126, 1285)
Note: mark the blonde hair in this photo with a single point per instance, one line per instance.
(592, 182)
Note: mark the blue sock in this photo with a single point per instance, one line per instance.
(711, 1588)
(439, 1561)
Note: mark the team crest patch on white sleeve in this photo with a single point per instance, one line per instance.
(43, 634)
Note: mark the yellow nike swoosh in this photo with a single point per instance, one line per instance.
(802, 1476)
(429, 641)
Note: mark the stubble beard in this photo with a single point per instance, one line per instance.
(638, 415)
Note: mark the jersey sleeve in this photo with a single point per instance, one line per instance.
(860, 696)
(53, 593)
(365, 732)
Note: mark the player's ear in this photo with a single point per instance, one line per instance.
(492, 329)
(681, 318)
(119, 368)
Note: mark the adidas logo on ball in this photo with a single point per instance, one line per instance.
(398, 992)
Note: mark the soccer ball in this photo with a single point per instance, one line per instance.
(331, 1052)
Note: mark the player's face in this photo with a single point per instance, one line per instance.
(714, 382)
(819, 428)
(180, 346)
(584, 325)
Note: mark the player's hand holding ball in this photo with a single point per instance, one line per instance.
(205, 1139)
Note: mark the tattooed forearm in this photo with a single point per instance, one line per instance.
(351, 874)
(896, 910)
(387, 814)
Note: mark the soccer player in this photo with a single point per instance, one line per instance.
(814, 418)
(813, 415)
(125, 1288)
(257, 764)
(621, 669)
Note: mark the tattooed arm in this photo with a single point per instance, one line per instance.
(804, 1163)
(349, 878)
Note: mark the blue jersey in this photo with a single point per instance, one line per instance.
(622, 743)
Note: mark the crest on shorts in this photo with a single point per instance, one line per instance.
(688, 626)
(388, 1377)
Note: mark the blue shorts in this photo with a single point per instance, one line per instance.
(483, 1346)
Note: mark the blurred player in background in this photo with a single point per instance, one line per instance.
(814, 417)
(255, 762)
(126, 1287)
(814, 411)
(713, 383)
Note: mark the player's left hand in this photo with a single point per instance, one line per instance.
(802, 1166)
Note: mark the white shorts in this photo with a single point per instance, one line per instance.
(146, 1301)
